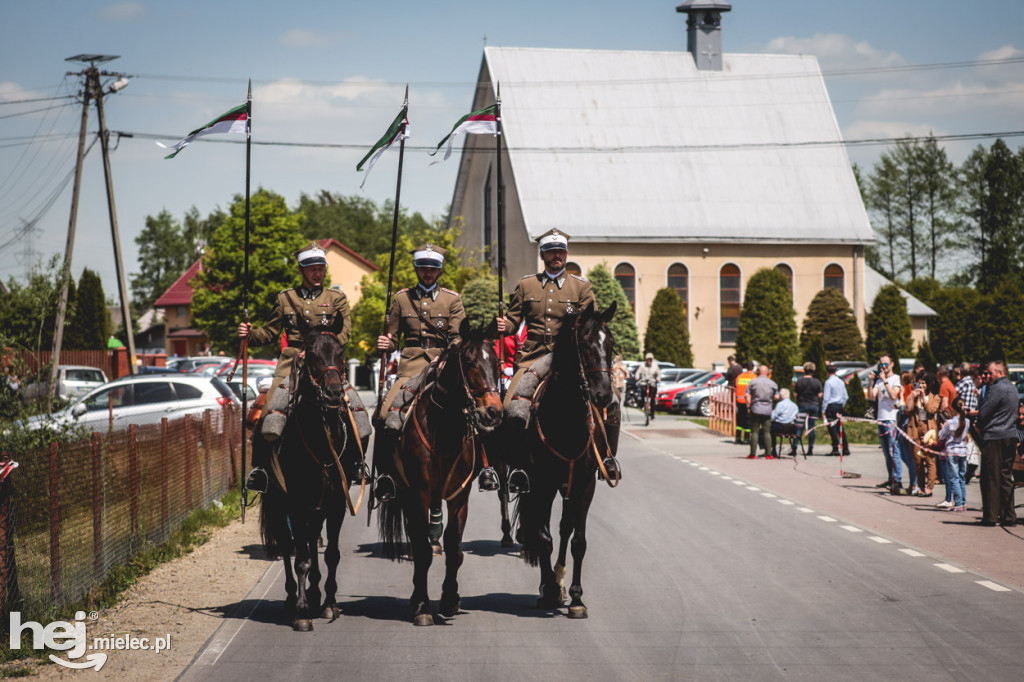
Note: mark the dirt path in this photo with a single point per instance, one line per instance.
(186, 599)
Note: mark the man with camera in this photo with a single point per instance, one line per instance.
(884, 386)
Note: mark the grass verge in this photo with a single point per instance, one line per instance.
(195, 530)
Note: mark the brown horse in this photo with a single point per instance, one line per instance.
(307, 481)
(566, 442)
(437, 456)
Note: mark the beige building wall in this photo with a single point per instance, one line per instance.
(346, 271)
(704, 263)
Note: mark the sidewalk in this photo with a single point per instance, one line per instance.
(815, 482)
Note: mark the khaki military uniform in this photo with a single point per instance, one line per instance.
(314, 306)
(429, 323)
(544, 303)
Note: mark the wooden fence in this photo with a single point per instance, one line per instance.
(723, 410)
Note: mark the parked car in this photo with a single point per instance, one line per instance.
(663, 399)
(192, 364)
(255, 368)
(141, 400)
(73, 381)
(153, 369)
(696, 400)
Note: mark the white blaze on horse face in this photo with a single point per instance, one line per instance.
(602, 338)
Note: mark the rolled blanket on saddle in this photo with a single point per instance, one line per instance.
(278, 408)
(394, 420)
(519, 405)
(359, 413)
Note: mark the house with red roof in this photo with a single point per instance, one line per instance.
(345, 269)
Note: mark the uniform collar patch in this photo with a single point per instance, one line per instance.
(310, 293)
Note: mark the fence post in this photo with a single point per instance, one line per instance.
(189, 445)
(165, 509)
(54, 523)
(207, 441)
(133, 476)
(97, 506)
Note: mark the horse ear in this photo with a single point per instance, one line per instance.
(465, 329)
(491, 332)
(607, 315)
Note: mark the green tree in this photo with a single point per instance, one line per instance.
(217, 289)
(882, 203)
(480, 299)
(925, 357)
(938, 197)
(857, 405)
(954, 331)
(889, 325)
(909, 199)
(367, 319)
(924, 289)
(90, 328)
(767, 317)
(28, 311)
(814, 351)
(667, 335)
(1001, 324)
(607, 290)
(198, 231)
(830, 318)
(163, 257)
(781, 361)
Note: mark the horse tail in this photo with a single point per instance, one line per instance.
(275, 531)
(525, 518)
(391, 526)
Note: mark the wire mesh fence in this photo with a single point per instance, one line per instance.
(71, 512)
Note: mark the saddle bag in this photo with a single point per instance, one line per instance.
(520, 404)
(359, 413)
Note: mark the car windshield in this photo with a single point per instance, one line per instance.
(115, 396)
(84, 375)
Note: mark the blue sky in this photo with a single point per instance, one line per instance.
(334, 72)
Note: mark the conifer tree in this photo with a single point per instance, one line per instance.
(815, 352)
(90, 329)
(480, 300)
(623, 325)
(889, 325)
(830, 318)
(857, 405)
(767, 317)
(667, 335)
(925, 357)
(781, 361)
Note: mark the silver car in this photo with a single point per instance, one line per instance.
(73, 381)
(140, 400)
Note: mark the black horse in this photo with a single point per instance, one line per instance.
(566, 442)
(436, 457)
(307, 478)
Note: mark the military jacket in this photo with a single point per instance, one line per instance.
(543, 303)
(426, 319)
(312, 305)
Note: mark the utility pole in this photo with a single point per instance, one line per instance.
(91, 89)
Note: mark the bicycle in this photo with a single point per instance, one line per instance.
(648, 403)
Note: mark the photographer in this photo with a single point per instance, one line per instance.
(884, 386)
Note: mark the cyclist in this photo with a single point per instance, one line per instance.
(647, 376)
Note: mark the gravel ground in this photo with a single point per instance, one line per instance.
(187, 599)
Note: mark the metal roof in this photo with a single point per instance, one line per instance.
(642, 146)
(874, 280)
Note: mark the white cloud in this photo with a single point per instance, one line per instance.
(1004, 52)
(947, 100)
(123, 11)
(300, 37)
(836, 51)
(11, 91)
(874, 129)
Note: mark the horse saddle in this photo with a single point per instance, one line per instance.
(520, 405)
(399, 411)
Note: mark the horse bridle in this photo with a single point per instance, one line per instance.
(321, 397)
(584, 383)
(469, 408)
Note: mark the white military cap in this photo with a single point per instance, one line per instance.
(553, 239)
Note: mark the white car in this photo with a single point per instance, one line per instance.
(73, 381)
(141, 400)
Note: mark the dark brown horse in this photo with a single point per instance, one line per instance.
(566, 442)
(436, 457)
(307, 478)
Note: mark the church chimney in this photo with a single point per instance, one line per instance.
(704, 31)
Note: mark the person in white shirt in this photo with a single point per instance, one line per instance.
(885, 388)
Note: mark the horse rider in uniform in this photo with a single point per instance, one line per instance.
(542, 301)
(316, 305)
(428, 318)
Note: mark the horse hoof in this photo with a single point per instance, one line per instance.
(507, 541)
(302, 625)
(423, 619)
(330, 613)
(578, 612)
(450, 610)
(435, 548)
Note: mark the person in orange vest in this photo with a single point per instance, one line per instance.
(742, 416)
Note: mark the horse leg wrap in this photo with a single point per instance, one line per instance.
(436, 528)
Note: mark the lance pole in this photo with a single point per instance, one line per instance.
(244, 352)
(501, 231)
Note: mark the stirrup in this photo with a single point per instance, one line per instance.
(518, 482)
(358, 474)
(257, 481)
(488, 479)
(384, 489)
(611, 464)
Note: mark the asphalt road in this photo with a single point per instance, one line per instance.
(701, 565)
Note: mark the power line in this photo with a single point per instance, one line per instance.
(37, 99)
(36, 111)
(642, 149)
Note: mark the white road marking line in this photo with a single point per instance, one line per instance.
(949, 569)
(223, 640)
(805, 510)
(852, 529)
(705, 469)
(827, 519)
(881, 541)
(694, 464)
(752, 487)
(726, 478)
(787, 502)
(910, 552)
(738, 483)
(995, 587)
(768, 495)
(714, 473)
